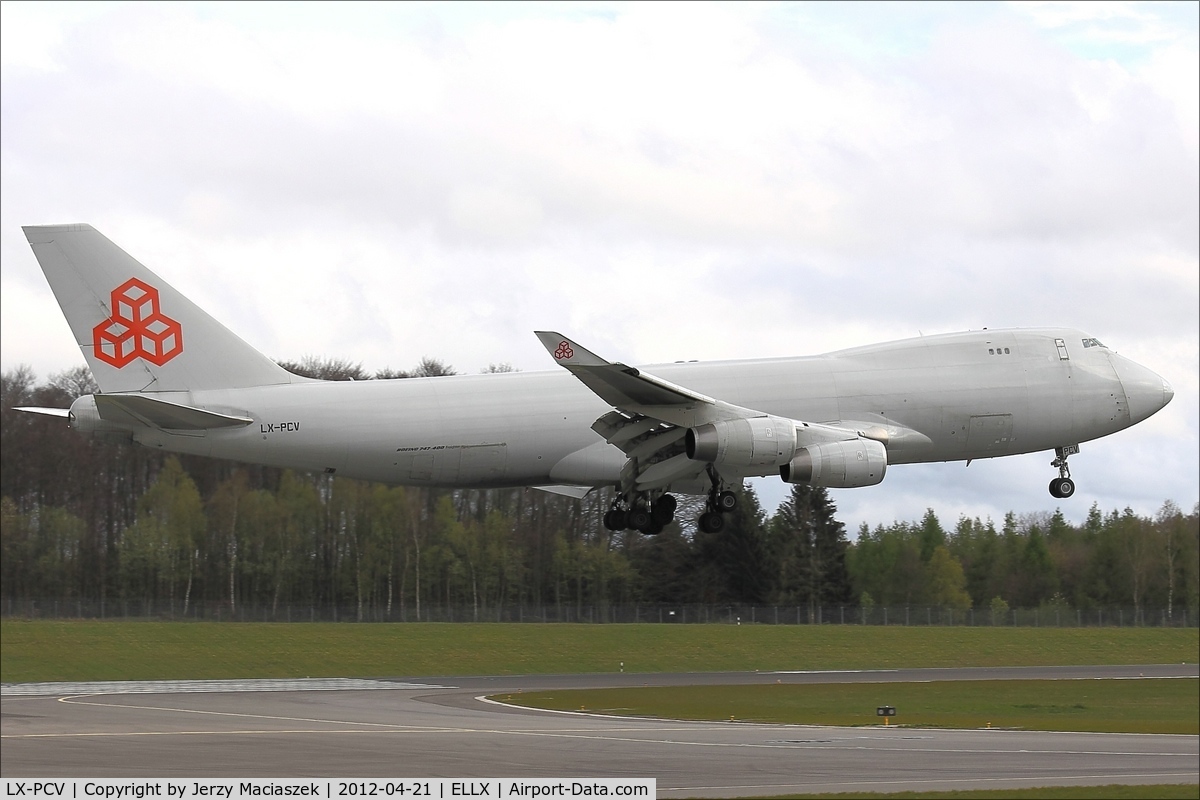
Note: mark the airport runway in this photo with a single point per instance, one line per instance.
(438, 727)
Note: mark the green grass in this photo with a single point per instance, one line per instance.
(1129, 706)
(113, 650)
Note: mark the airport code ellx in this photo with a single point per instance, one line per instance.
(232, 789)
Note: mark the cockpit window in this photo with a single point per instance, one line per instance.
(1092, 343)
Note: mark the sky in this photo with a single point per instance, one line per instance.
(386, 182)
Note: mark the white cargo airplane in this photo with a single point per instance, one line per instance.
(172, 377)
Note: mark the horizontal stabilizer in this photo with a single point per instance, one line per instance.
(133, 408)
(50, 412)
(578, 492)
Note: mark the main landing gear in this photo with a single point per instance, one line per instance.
(645, 512)
(1063, 486)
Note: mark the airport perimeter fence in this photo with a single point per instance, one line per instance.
(713, 614)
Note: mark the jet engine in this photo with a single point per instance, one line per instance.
(756, 442)
(837, 465)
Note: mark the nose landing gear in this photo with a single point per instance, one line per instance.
(1063, 486)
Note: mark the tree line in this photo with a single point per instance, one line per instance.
(101, 520)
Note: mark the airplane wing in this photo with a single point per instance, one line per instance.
(652, 417)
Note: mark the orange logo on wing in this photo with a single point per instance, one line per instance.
(137, 328)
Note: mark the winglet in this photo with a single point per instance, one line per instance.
(569, 353)
(624, 387)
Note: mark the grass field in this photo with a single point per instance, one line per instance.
(1141, 706)
(111, 650)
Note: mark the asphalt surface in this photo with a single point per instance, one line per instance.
(441, 727)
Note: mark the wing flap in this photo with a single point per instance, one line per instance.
(617, 428)
(656, 442)
(665, 472)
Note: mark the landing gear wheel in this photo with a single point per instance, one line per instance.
(712, 522)
(615, 520)
(639, 518)
(654, 529)
(664, 510)
(726, 501)
(1062, 487)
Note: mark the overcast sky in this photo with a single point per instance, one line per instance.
(385, 182)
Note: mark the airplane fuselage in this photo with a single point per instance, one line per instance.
(937, 398)
(172, 377)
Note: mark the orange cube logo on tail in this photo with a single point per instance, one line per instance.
(137, 328)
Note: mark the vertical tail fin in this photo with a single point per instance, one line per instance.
(137, 333)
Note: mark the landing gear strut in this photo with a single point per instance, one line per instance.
(1063, 486)
(720, 502)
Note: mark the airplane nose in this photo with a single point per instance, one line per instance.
(1145, 390)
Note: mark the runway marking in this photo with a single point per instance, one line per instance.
(831, 671)
(803, 726)
(387, 727)
(588, 735)
(75, 701)
(187, 687)
(567, 733)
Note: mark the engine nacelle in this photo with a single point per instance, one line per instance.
(838, 465)
(755, 442)
(84, 418)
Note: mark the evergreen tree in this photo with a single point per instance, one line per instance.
(808, 550)
(931, 534)
(1038, 579)
(732, 564)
